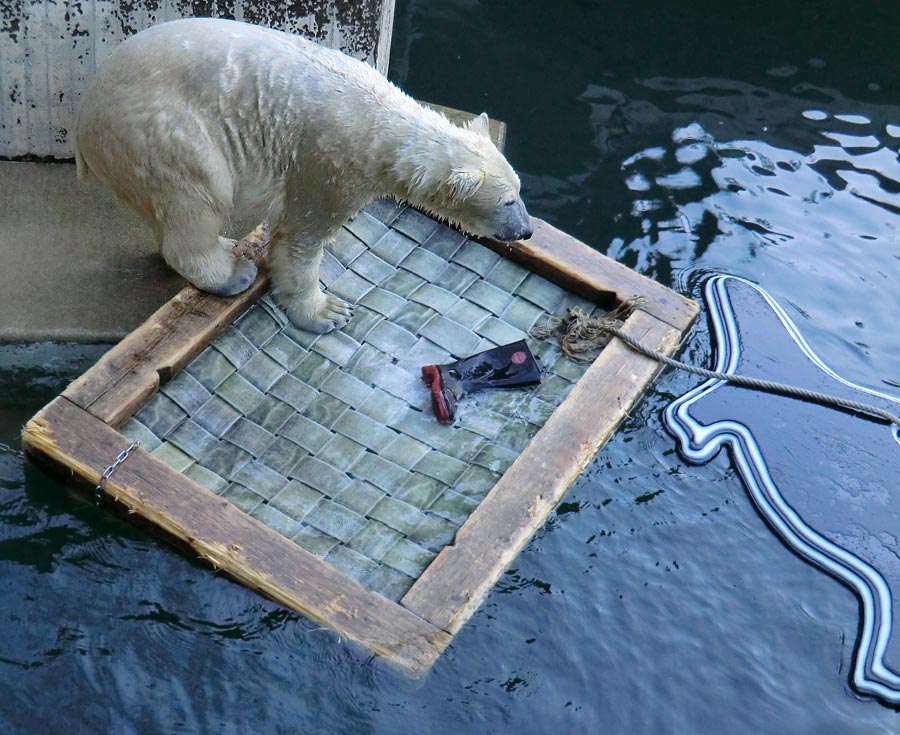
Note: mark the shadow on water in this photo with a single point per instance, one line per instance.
(682, 140)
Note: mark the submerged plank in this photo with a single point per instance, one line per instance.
(65, 435)
(455, 583)
(496, 127)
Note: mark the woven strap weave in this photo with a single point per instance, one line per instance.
(329, 439)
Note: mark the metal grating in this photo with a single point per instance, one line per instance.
(329, 439)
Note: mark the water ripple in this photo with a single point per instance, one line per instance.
(813, 194)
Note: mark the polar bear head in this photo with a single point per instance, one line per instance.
(474, 188)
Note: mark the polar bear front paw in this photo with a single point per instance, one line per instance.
(322, 313)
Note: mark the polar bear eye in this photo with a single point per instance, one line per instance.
(509, 203)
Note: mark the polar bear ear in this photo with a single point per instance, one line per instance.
(463, 183)
(480, 125)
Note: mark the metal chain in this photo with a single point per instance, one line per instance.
(107, 473)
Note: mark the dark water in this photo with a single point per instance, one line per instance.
(682, 139)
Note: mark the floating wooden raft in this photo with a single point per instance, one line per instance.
(310, 467)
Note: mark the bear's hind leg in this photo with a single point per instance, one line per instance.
(191, 245)
(295, 283)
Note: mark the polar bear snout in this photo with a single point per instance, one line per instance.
(513, 222)
(522, 232)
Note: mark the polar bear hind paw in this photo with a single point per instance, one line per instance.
(242, 277)
(321, 314)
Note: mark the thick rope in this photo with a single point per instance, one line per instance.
(757, 383)
(577, 323)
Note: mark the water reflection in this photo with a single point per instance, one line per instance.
(823, 479)
(797, 194)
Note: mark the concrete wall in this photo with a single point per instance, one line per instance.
(50, 48)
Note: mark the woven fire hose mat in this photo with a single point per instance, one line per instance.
(311, 467)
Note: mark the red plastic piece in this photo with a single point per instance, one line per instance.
(432, 376)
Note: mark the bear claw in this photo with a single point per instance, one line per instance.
(326, 314)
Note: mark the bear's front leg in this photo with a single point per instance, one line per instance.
(295, 284)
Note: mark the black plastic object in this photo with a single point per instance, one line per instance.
(509, 366)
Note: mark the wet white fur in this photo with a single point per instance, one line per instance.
(192, 120)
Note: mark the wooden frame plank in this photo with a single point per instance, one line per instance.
(129, 374)
(77, 432)
(232, 541)
(455, 583)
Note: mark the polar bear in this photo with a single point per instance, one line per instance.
(193, 120)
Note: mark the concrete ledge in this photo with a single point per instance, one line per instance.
(76, 265)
